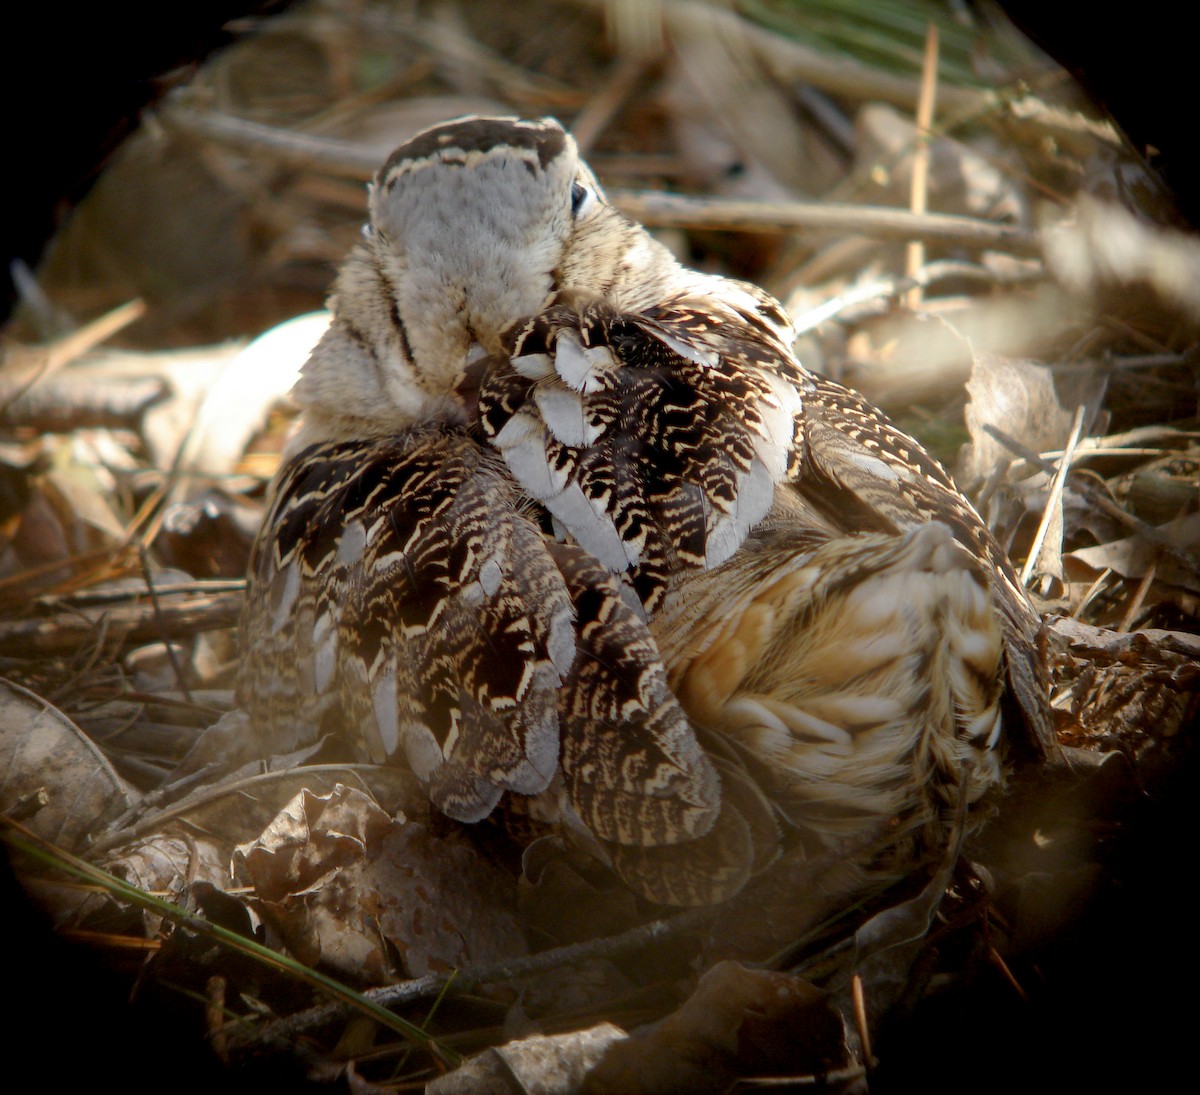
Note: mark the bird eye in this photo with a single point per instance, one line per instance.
(368, 231)
(582, 199)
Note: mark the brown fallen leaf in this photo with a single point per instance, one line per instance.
(1017, 397)
(41, 748)
(738, 1022)
(1133, 556)
(349, 886)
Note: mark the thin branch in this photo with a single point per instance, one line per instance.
(64, 633)
(168, 646)
(345, 159)
(91, 598)
(675, 211)
(1139, 596)
(654, 209)
(407, 992)
(68, 348)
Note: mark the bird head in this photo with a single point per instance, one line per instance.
(474, 224)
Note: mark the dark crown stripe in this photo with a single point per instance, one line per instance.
(481, 134)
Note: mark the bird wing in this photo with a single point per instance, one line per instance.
(654, 438)
(402, 595)
(862, 473)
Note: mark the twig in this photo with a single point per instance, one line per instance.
(1092, 591)
(17, 585)
(879, 290)
(66, 632)
(997, 960)
(1139, 595)
(90, 598)
(29, 804)
(675, 211)
(210, 702)
(70, 685)
(144, 561)
(214, 1016)
(344, 159)
(834, 1079)
(919, 197)
(407, 992)
(68, 348)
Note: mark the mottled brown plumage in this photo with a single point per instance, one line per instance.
(656, 439)
(569, 521)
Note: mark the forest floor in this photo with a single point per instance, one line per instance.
(1019, 292)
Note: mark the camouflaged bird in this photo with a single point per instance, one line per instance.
(567, 520)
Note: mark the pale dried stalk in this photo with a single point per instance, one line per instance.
(50, 359)
(674, 211)
(919, 198)
(1054, 499)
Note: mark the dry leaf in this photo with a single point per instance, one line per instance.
(1137, 692)
(1133, 556)
(539, 1065)
(41, 747)
(738, 1022)
(1018, 398)
(347, 885)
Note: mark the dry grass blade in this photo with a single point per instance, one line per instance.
(1054, 498)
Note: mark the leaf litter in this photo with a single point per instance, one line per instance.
(1049, 357)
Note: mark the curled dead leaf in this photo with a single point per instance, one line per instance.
(376, 897)
(546, 1065)
(1016, 397)
(42, 748)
